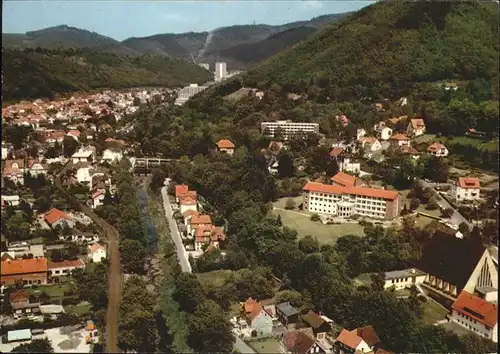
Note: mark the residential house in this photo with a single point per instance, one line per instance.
(370, 145)
(258, 319)
(14, 171)
(318, 324)
(476, 315)
(286, 313)
(20, 303)
(75, 134)
(182, 190)
(24, 271)
(196, 221)
(187, 216)
(343, 120)
(382, 131)
(57, 269)
(453, 264)
(226, 146)
(96, 253)
(111, 155)
(55, 217)
(6, 148)
(51, 137)
(275, 147)
(12, 200)
(474, 133)
(466, 188)
(300, 341)
(416, 127)
(343, 179)
(83, 172)
(208, 235)
(84, 154)
(360, 133)
(187, 203)
(273, 165)
(398, 140)
(36, 168)
(437, 149)
(344, 160)
(359, 340)
(401, 279)
(410, 151)
(98, 198)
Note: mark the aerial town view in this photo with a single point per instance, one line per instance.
(290, 177)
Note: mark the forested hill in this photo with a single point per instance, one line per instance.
(43, 73)
(386, 47)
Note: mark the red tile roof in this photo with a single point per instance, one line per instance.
(369, 335)
(417, 123)
(225, 144)
(200, 219)
(361, 191)
(399, 137)
(435, 147)
(19, 295)
(54, 215)
(298, 342)
(249, 304)
(479, 309)
(189, 213)
(181, 190)
(344, 179)
(408, 150)
(349, 338)
(66, 264)
(96, 247)
(468, 182)
(187, 200)
(336, 152)
(74, 132)
(24, 266)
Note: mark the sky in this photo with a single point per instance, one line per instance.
(125, 18)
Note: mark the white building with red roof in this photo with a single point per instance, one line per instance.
(476, 315)
(466, 189)
(98, 198)
(75, 134)
(209, 235)
(437, 149)
(400, 140)
(96, 253)
(57, 269)
(187, 203)
(416, 127)
(55, 217)
(349, 200)
(225, 145)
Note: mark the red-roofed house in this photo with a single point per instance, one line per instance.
(14, 171)
(258, 319)
(187, 203)
(342, 179)
(476, 314)
(359, 340)
(196, 221)
(96, 252)
(57, 269)
(416, 127)
(437, 149)
(25, 271)
(466, 188)
(98, 198)
(75, 134)
(55, 217)
(226, 146)
(346, 201)
(208, 236)
(182, 190)
(399, 140)
(300, 341)
(36, 167)
(336, 152)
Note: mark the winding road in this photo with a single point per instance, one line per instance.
(115, 277)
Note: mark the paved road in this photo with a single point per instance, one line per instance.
(241, 346)
(182, 255)
(115, 277)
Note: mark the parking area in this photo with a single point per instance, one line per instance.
(70, 339)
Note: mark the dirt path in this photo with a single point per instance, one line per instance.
(115, 276)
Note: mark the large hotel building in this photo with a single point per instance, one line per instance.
(344, 199)
(289, 128)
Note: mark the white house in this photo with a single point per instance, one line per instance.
(476, 315)
(437, 149)
(55, 217)
(112, 155)
(350, 342)
(96, 253)
(416, 127)
(84, 155)
(57, 269)
(370, 144)
(187, 203)
(360, 133)
(83, 174)
(257, 318)
(383, 131)
(400, 140)
(12, 200)
(466, 188)
(400, 279)
(98, 199)
(36, 168)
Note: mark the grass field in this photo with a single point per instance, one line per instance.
(54, 291)
(268, 345)
(216, 277)
(424, 138)
(433, 312)
(326, 234)
(238, 95)
(363, 279)
(79, 310)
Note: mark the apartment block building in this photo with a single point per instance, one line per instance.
(345, 202)
(220, 71)
(288, 128)
(187, 92)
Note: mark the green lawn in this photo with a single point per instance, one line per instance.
(424, 138)
(268, 345)
(54, 291)
(79, 310)
(433, 312)
(363, 279)
(216, 277)
(326, 234)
